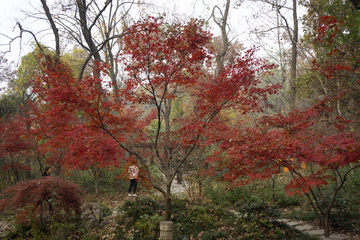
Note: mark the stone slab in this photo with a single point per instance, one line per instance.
(335, 237)
(316, 232)
(305, 227)
(293, 224)
(283, 220)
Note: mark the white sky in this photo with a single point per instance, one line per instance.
(10, 13)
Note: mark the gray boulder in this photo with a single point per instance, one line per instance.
(91, 216)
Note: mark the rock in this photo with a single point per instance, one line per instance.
(97, 210)
(91, 217)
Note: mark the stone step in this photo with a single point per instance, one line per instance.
(316, 232)
(335, 237)
(311, 230)
(293, 224)
(304, 227)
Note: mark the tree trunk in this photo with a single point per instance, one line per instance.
(327, 224)
(97, 173)
(168, 206)
(220, 56)
(96, 187)
(293, 59)
(273, 190)
(86, 31)
(28, 172)
(53, 27)
(357, 115)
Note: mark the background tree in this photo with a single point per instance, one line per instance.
(95, 27)
(274, 25)
(7, 70)
(333, 33)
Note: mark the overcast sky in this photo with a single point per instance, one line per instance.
(10, 13)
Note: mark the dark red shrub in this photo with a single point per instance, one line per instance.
(30, 199)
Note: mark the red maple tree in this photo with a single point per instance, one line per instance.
(164, 63)
(316, 148)
(31, 199)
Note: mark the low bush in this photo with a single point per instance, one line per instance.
(302, 215)
(140, 219)
(256, 208)
(41, 204)
(105, 209)
(282, 200)
(223, 195)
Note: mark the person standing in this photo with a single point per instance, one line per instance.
(133, 174)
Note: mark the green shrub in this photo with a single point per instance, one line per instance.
(134, 215)
(302, 215)
(282, 200)
(226, 197)
(256, 208)
(105, 209)
(149, 226)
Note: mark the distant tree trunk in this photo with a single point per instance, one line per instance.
(281, 52)
(220, 56)
(357, 115)
(53, 27)
(86, 31)
(96, 171)
(273, 190)
(28, 172)
(294, 42)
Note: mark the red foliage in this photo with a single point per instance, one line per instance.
(12, 133)
(302, 138)
(73, 118)
(14, 144)
(326, 31)
(48, 194)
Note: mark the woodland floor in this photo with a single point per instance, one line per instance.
(109, 224)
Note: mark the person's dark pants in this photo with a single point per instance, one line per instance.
(133, 184)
